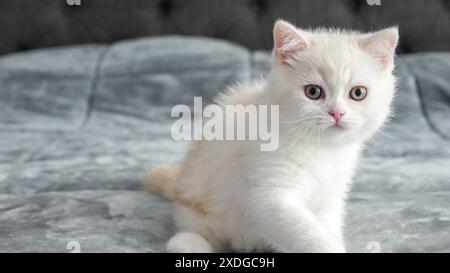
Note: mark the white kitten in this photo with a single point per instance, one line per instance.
(334, 89)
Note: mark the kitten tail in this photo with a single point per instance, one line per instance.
(160, 180)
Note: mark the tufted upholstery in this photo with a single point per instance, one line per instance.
(26, 24)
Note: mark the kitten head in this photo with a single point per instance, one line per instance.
(331, 85)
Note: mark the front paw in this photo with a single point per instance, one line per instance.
(319, 246)
(333, 247)
(328, 245)
(337, 248)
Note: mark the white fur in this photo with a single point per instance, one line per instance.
(188, 242)
(292, 199)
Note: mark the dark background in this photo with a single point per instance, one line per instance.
(28, 24)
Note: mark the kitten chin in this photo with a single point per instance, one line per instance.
(334, 89)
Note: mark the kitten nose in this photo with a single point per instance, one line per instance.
(336, 114)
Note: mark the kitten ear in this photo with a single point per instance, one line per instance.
(287, 40)
(381, 45)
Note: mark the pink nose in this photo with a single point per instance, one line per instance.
(336, 114)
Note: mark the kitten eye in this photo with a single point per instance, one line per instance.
(358, 93)
(313, 92)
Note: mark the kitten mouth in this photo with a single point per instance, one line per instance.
(337, 126)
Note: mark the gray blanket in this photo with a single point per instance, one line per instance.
(79, 126)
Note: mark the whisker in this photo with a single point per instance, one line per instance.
(297, 120)
(301, 132)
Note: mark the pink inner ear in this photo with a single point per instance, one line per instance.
(288, 49)
(381, 45)
(382, 50)
(287, 40)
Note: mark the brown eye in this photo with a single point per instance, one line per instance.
(313, 92)
(358, 93)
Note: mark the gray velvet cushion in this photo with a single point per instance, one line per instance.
(79, 126)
